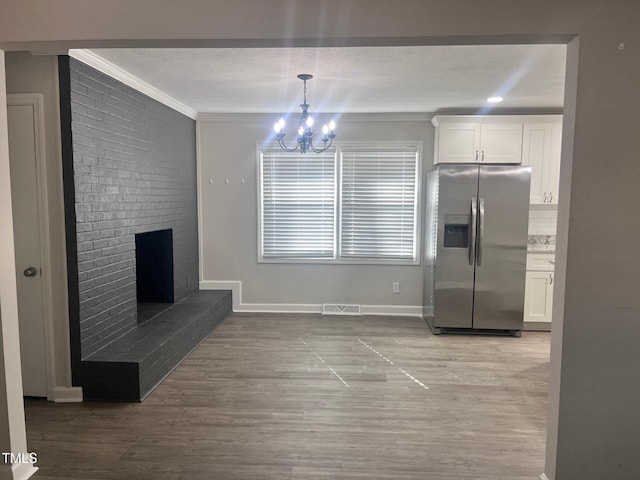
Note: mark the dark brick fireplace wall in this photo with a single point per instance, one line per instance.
(134, 170)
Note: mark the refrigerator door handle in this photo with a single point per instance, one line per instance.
(480, 230)
(472, 227)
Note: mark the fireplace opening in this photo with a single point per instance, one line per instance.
(154, 272)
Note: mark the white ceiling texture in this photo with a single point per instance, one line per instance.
(352, 79)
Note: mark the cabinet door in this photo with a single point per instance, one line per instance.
(536, 151)
(538, 297)
(458, 143)
(553, 165)
(501, 143)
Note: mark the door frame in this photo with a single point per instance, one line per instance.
(36, 101)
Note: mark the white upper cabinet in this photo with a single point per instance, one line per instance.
(457, 143)
(501, 142)
(541, 150)
(478, 139)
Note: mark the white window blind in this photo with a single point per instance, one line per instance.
(298, 205)
(378, 203)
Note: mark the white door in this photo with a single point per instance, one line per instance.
(23, 156)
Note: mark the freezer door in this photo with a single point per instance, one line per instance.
(503, 216)
(455, 255)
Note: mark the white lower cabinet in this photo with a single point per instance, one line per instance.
(538, 295)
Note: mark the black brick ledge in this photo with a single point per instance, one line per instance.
(132, 366)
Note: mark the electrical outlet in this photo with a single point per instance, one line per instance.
(395, 287)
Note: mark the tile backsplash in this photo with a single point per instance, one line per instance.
(543, 219)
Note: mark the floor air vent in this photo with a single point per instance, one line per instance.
(336, 309)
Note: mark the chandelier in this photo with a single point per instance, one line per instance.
(304, 137)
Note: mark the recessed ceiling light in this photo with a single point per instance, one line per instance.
(494, 99)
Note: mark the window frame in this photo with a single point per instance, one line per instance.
(260, 177)
(338, 189)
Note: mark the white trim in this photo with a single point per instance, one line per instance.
(393, 310)
(543, 477)
(36, 102)
(537, 326)
(199, 190)
(279, 308)
(269, 118)
(90, 58)
(239, 306)
(18, 471)
(67, 394)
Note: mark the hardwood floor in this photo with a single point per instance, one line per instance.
(315, 397)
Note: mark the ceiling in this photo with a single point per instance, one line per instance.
(352, 79)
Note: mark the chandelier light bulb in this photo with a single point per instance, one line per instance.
(309, 122)
(276, 127)
(325, 129)
(332, 125)
(281, 123)
(301, 131)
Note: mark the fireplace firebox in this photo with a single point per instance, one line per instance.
(154, 272)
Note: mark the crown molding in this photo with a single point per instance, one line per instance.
(96, 61)
(339, 117)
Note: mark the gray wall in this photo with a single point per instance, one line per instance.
(227, 146)
(27, 73)
(134, 171)
(594, 426)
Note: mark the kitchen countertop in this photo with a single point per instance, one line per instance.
(541, 244)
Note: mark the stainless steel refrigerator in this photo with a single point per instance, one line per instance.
(476, 248)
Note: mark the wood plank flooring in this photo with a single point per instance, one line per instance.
(313, 397)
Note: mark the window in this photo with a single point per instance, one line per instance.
(298, 205)
(378, 204)
(358, 204)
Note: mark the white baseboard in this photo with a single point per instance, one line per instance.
(67, 394)
(543, 477)
(537, 326)
(18, 471)
(239, 306)
(279, 308)
(394, 310)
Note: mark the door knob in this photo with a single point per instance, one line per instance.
(31, 272)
